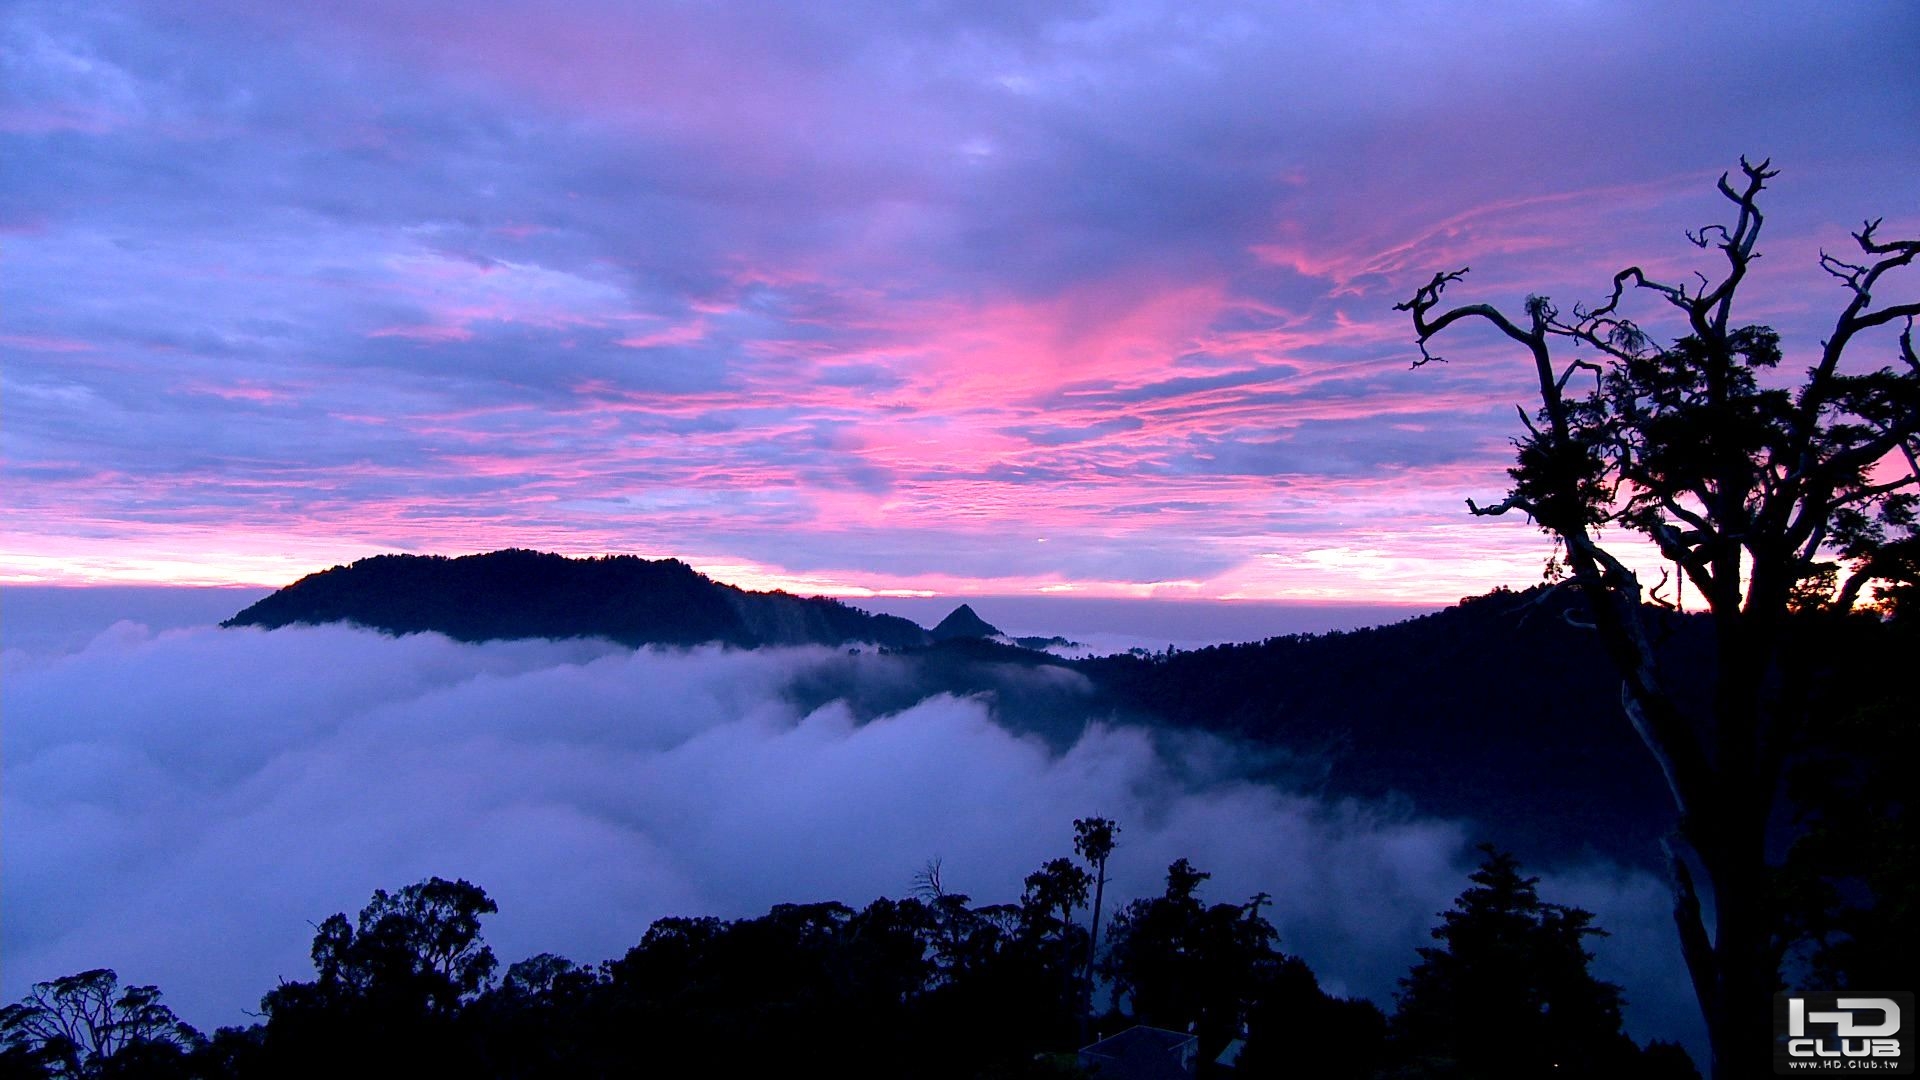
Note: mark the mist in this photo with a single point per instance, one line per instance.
(183, 805)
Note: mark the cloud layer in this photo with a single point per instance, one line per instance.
(183, 806)
(965, 297)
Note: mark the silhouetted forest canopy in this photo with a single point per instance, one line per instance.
(930, 985)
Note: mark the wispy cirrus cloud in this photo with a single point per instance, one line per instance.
(854, 291)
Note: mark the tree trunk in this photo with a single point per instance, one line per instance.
(1093, 946)
(1726, 826)
(1744, 969)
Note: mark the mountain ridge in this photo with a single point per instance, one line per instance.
(518, 593)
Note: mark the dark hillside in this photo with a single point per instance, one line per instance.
(524, 594)
(1498, 710)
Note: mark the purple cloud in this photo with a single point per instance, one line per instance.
(458, 276)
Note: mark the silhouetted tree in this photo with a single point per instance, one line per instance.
(1178, 963)
(389, 986)
(1507, 992)
(1052, 894)
(1151, 958)
(87, 1025)
(1093, 841)
(1050, 942)
(421, 945)
(1761, 495)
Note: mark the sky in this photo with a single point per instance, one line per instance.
(862, 298)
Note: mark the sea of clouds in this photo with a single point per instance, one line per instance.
(184, 805)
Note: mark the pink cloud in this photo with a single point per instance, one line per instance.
(61, 117)
(1498, 229)
(38, 343)
(684, 334)
(434, 334)
(243, 391)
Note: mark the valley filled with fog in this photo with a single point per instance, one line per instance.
(183, 804)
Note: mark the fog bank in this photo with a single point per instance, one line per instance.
(182, 806)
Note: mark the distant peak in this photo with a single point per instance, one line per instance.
(962, 622)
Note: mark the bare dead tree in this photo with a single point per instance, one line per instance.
(1761, 494)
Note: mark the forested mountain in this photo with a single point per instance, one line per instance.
(1504, 712)
(529, 594)
(1499, 710)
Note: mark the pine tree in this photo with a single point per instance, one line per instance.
(1507, 992)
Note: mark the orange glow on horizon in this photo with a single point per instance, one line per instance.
(1360, 568)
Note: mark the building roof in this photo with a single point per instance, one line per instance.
(1142, 1053)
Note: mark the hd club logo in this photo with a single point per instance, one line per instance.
(1850, 1031)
